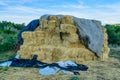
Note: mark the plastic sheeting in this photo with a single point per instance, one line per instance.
(52, 70)
(67, 67)
(6, 63)
(90, 32)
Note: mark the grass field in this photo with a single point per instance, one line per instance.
(98, 70)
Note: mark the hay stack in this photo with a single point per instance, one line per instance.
(46, 42)
(105, 45)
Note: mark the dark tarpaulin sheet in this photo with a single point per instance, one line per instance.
(71, 67)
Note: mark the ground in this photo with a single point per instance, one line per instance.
(98, 70)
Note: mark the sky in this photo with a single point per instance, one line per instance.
(23, 11)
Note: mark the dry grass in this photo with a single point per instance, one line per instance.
(6, 55)
(98, 70)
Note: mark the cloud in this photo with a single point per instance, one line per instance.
(75, 6)
(20, 13)
(105, 13)
(25, 10)
(18, 19)
(2, 3)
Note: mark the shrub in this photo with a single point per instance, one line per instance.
(8, 42)
(113, 32)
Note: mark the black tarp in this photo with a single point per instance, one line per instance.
(27, 63)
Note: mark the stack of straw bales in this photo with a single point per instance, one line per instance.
(46, 42)
(105, 45)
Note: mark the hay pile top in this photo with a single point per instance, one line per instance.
(59, 38)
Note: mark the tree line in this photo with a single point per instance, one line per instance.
(113, 32)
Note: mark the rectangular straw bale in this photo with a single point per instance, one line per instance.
(23, 47)
(67, 20)
(68, 28)
(40, 33)
(105, 45)
(35, 48)
(26, 34)
(43, 24)
(56, 54)
(65, 43)
(25, 55)
(79, 53)
(56, 41)
(71, 38)
(52, 25)
(48, 41)
(77, 44)
(50, 18)
(40, 41)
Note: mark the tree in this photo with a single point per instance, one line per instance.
(113, 32)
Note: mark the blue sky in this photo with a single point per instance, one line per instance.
(23, 11)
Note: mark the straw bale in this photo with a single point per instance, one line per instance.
(71, 38)
(54, 18)
(78, 44)
(51, 25)
(68, 28)
(44, 24)
(56, 54)
(105, 45)
(79, 54)
(39, 33)
(67, 20)
(40, 41)
(56, 41)
(29, 37)
(25, 54)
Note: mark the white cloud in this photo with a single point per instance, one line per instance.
(105, 13)
(2, 3)
(18, 19)
(26, 10)
(75, 6)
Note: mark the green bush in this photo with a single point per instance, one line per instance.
(8, 35)
(8, 42)
(113, 32)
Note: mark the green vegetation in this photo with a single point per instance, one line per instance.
(7, 55)
(115, 53)
(113, 32)
(8, 35)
